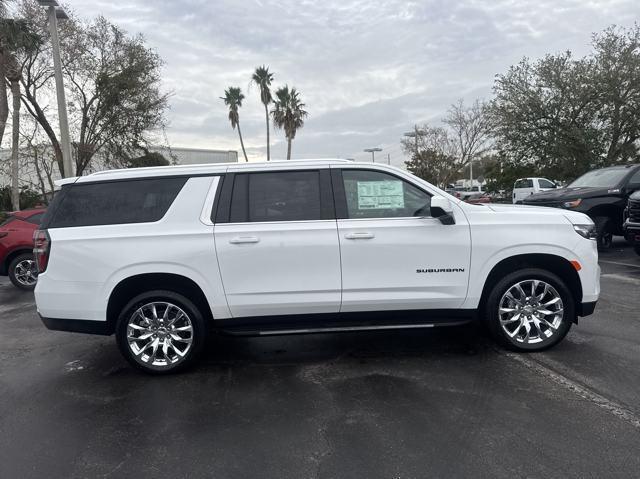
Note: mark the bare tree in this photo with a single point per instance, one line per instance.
(471, 128)
(439, 153)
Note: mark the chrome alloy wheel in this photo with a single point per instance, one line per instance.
(159, 335)
(531, 312)
(25, 272)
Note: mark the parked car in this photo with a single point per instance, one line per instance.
(632, 222)
(16, 247)
(159, 255)
(602, 194)
(477, 198)
(525, 187)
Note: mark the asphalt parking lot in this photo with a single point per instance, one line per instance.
(403, 404)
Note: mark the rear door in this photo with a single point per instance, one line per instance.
(395, 256)
(522, 188)
(277, 243)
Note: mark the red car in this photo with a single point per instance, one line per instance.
(16, 247)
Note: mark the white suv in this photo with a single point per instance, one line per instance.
(160, 255)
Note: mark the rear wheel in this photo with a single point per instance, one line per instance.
(636, 248)
(160, 332)
(604, 229)
(530, 310)
(22, 272)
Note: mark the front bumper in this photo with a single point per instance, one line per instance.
(631, 231)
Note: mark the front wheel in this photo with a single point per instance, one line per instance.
(22, 272)
(530, 310)
(160, 332)
(604, 231)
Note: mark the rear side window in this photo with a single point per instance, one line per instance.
(527, 183)
(277, 196)
(119, 202)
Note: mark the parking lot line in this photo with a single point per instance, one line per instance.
(584, 392)
(621, 277)
(621, 264)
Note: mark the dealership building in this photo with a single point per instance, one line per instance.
(176, 155)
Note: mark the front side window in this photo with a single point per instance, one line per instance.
(117, 202)
(277, 196)
(373, 194)
(546, 183)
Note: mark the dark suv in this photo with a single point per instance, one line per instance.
(601, 194)
(632, 224)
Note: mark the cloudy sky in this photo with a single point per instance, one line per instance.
(367, 69)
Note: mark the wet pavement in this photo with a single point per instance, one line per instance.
(393, 404)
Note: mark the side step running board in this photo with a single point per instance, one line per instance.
(334, 329)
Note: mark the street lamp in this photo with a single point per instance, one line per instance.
(414, 134)
(373, 152)
(56, 13)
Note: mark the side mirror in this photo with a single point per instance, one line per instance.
(441, 208)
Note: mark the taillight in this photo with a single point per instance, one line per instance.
(41, 248)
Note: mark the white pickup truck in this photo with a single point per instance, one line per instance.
(157, 256)
(525, 187)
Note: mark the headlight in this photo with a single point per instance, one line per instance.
(572, 204)
(586, 231)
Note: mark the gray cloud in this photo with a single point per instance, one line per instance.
(367, 69)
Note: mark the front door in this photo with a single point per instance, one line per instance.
(395, 256)
(278, 253)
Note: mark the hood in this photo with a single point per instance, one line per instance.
(569, 193)
(573, 217)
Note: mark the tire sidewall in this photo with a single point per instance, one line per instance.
(197, 321)
(603, 228)
(492, 305)
(11, 272)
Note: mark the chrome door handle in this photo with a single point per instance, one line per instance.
(244, 239)
(362, 235)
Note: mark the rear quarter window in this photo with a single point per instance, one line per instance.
(118, 202)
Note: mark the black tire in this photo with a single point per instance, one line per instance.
(19, 280)
(500, 289)
(194, 315)
(636, 248)
(604, 229)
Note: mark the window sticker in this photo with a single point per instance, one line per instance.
(379, 195)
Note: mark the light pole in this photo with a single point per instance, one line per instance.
(414, 134)
(373, 152)
(56, 13)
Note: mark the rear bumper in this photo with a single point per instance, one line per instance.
(586, 309)
(78, 326)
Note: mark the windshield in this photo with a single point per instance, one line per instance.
(607, 178)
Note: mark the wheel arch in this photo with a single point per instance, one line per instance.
(140, 283)
(4, 267)
(555, 264)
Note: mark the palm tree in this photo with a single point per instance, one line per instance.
(233, 99)
(263, 78)
(288, 113)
